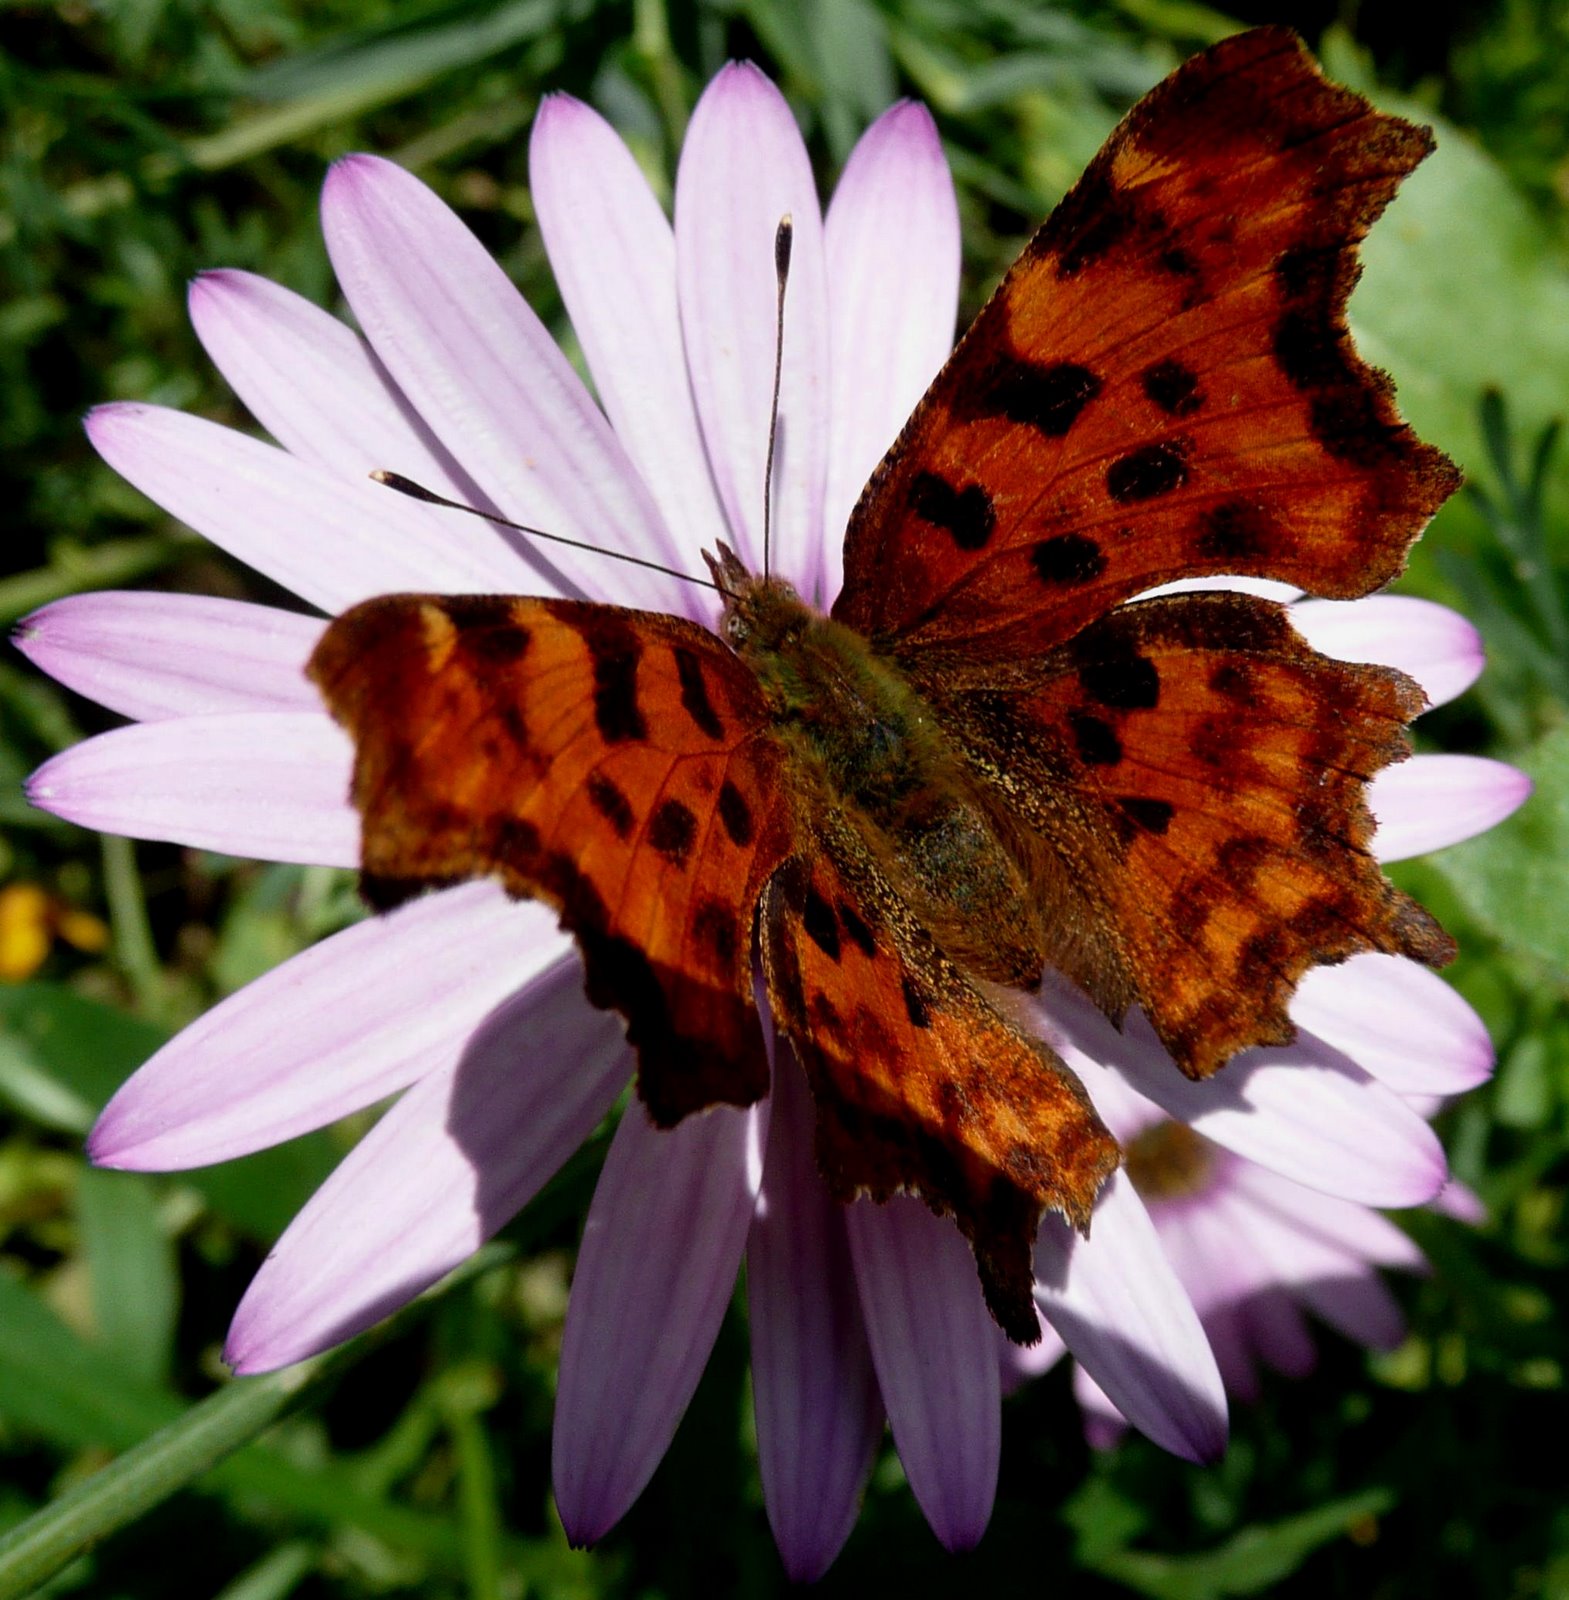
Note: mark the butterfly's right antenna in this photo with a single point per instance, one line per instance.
(784, 237)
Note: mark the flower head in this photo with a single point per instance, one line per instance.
(470, 1005)
(1257, 1252)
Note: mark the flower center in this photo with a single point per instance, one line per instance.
(1169, 1161)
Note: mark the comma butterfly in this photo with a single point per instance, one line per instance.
(988, 757)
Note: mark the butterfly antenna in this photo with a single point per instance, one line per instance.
(784, 237)
(416, 491)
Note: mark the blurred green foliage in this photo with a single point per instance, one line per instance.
(144, 140)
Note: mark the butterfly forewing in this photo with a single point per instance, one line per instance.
(611, 762)
(1164, 385)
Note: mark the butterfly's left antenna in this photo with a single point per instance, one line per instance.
(784, 237)
(417, 491)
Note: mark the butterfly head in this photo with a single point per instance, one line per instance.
(762, 616)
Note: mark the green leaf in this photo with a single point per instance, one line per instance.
(58, 1386)
(1252, 1561)
(132, 1268)
(1515, 878)
(62, 1055)
(260, 1194)
(1464, 290)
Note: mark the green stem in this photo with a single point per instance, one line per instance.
(147, 1473)
(133, 934)
(477, 1514)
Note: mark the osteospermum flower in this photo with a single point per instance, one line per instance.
(1257, 1252)
(471, 1005)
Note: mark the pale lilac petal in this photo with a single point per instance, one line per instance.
(1214, 1264)
(658, 1261)
(454, 1160)
(1336, 1283)
(1125, 1111)
(484, 373)
(274, 785)
(1122, 1312)
(819, 1413)
(341, 1025)
(614, 256)
(317, 388)
(1304, 1110)
(1361, 1307)
(1398, 1021)
(1462, 1203)
(1355, 1230)
(1429, 802)
(931, 1342)
(1428, 642)
(1278, 1332)
(332, 540)
(151, 656)
(1104, 1424)
(743, 167)
(892, 243)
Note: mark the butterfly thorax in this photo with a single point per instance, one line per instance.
(877, 778)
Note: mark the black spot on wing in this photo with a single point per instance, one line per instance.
(497, 642)
(672, 831)
(1148, 472)
(608, 800)
(716, 929)
(966, 514)
(856, 929)
(1128, 682)
(817, 917)
(1095, 740)
(1173, 387)
(615, 651)
(735, 815)
(694, 693)
(1234, 530)
(1131, 815)
(1048, 397)
(1153, 816)
(1349, 427)
(915, 1006)
(1069, 558)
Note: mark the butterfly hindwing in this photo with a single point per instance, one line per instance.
(921, 1085)
(1164, 385)
(608, 761)
(1200, 763)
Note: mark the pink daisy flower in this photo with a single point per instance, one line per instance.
(1256, 1251)
(471, 1005)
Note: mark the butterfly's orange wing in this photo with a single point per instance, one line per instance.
(921, 1085)
(610, 762)
(1164, 385)
(1203, 770)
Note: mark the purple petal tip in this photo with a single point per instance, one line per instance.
(351, 174)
